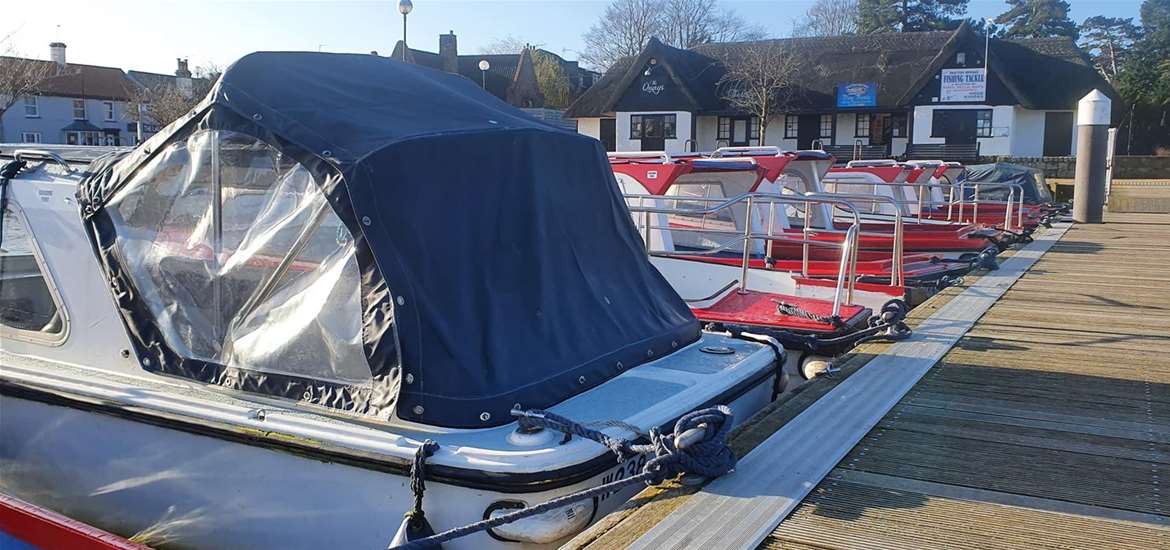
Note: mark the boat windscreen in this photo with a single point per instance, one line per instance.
(234, 246)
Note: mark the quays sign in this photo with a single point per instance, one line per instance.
(657, 92)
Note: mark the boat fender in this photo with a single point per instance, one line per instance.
(699, 447)
(986, 259)
(414, 523)
(780, 379)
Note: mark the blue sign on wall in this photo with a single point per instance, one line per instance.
(859, 94)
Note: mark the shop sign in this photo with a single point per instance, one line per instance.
(857, 94)
(652, 87)
(963, 86)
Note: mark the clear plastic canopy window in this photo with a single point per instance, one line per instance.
(242, 261)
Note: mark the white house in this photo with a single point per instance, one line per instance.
(917, 95)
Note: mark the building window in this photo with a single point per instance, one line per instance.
(861, 125)
(668, 126)
(28, 306)
(791, 125)
(83, 138)
(78, 109)
(983, 123)
(724, 131)
(109, 105)
(898, 125)
(754, 124)
(30, 137)
(653, 126)
(826, 126)
(31, 108)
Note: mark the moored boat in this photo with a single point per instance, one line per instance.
(289, 293)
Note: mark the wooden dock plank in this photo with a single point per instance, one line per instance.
(1047, 426)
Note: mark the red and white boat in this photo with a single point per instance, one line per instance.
(684, 238)
(24, 526)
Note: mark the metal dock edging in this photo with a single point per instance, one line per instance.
(742, 508)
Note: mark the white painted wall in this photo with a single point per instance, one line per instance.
(1028, 135)
(590, 127)
(1002, 123)
(706, 133)
(677, 145)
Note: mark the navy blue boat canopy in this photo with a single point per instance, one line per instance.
(380, 239)
(1031, 179)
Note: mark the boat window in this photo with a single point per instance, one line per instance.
(28, 307)
(242, 261)
(700, 195)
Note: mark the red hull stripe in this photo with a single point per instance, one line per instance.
(46, 529)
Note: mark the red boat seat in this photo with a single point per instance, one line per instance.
(761, 309)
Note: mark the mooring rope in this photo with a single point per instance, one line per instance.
(793, 310)
(699, 446)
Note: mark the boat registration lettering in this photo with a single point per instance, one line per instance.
(652, 175)
(624, 470)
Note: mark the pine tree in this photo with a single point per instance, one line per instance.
(1037, 19)
(1145, 82)
(878, 16)
(1108, 40)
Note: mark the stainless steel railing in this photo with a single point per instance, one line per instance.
(847, 263)
(956, 199)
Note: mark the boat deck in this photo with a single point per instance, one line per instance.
(1047, 425)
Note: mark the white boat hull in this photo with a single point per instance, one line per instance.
(176, 489)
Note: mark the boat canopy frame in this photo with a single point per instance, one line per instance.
(495, 262)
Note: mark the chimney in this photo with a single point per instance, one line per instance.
(183, 78)
(57, 53)
(449, 52)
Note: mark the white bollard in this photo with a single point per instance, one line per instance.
(1093, 113)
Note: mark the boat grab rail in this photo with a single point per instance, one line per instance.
(1010, 202)
(636, 155)
(847, 265)
(1014, 202)
(747, 150)
(41, 154)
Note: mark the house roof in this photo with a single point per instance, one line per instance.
(81, 81)
(499, 75)
(900, 64)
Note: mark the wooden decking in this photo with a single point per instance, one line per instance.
(1046, 426)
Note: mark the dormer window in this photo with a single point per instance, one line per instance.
(961, 58)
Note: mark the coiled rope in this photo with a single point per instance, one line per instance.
(699, 446)
(793, 310)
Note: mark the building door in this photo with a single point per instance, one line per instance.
(609, 134)
(741, 132)
(653, 135)
(955, 126)
(1058, 128)
(808, 130)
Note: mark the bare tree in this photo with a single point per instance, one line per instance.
(828, 18)
(627, 25)
(19, 76)
(164, 103)
(622, 31)
(760, 80)
(507, 45)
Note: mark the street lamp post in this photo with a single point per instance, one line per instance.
(404, 7)
(483, 68)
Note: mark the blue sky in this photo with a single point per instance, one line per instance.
(150, 35)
